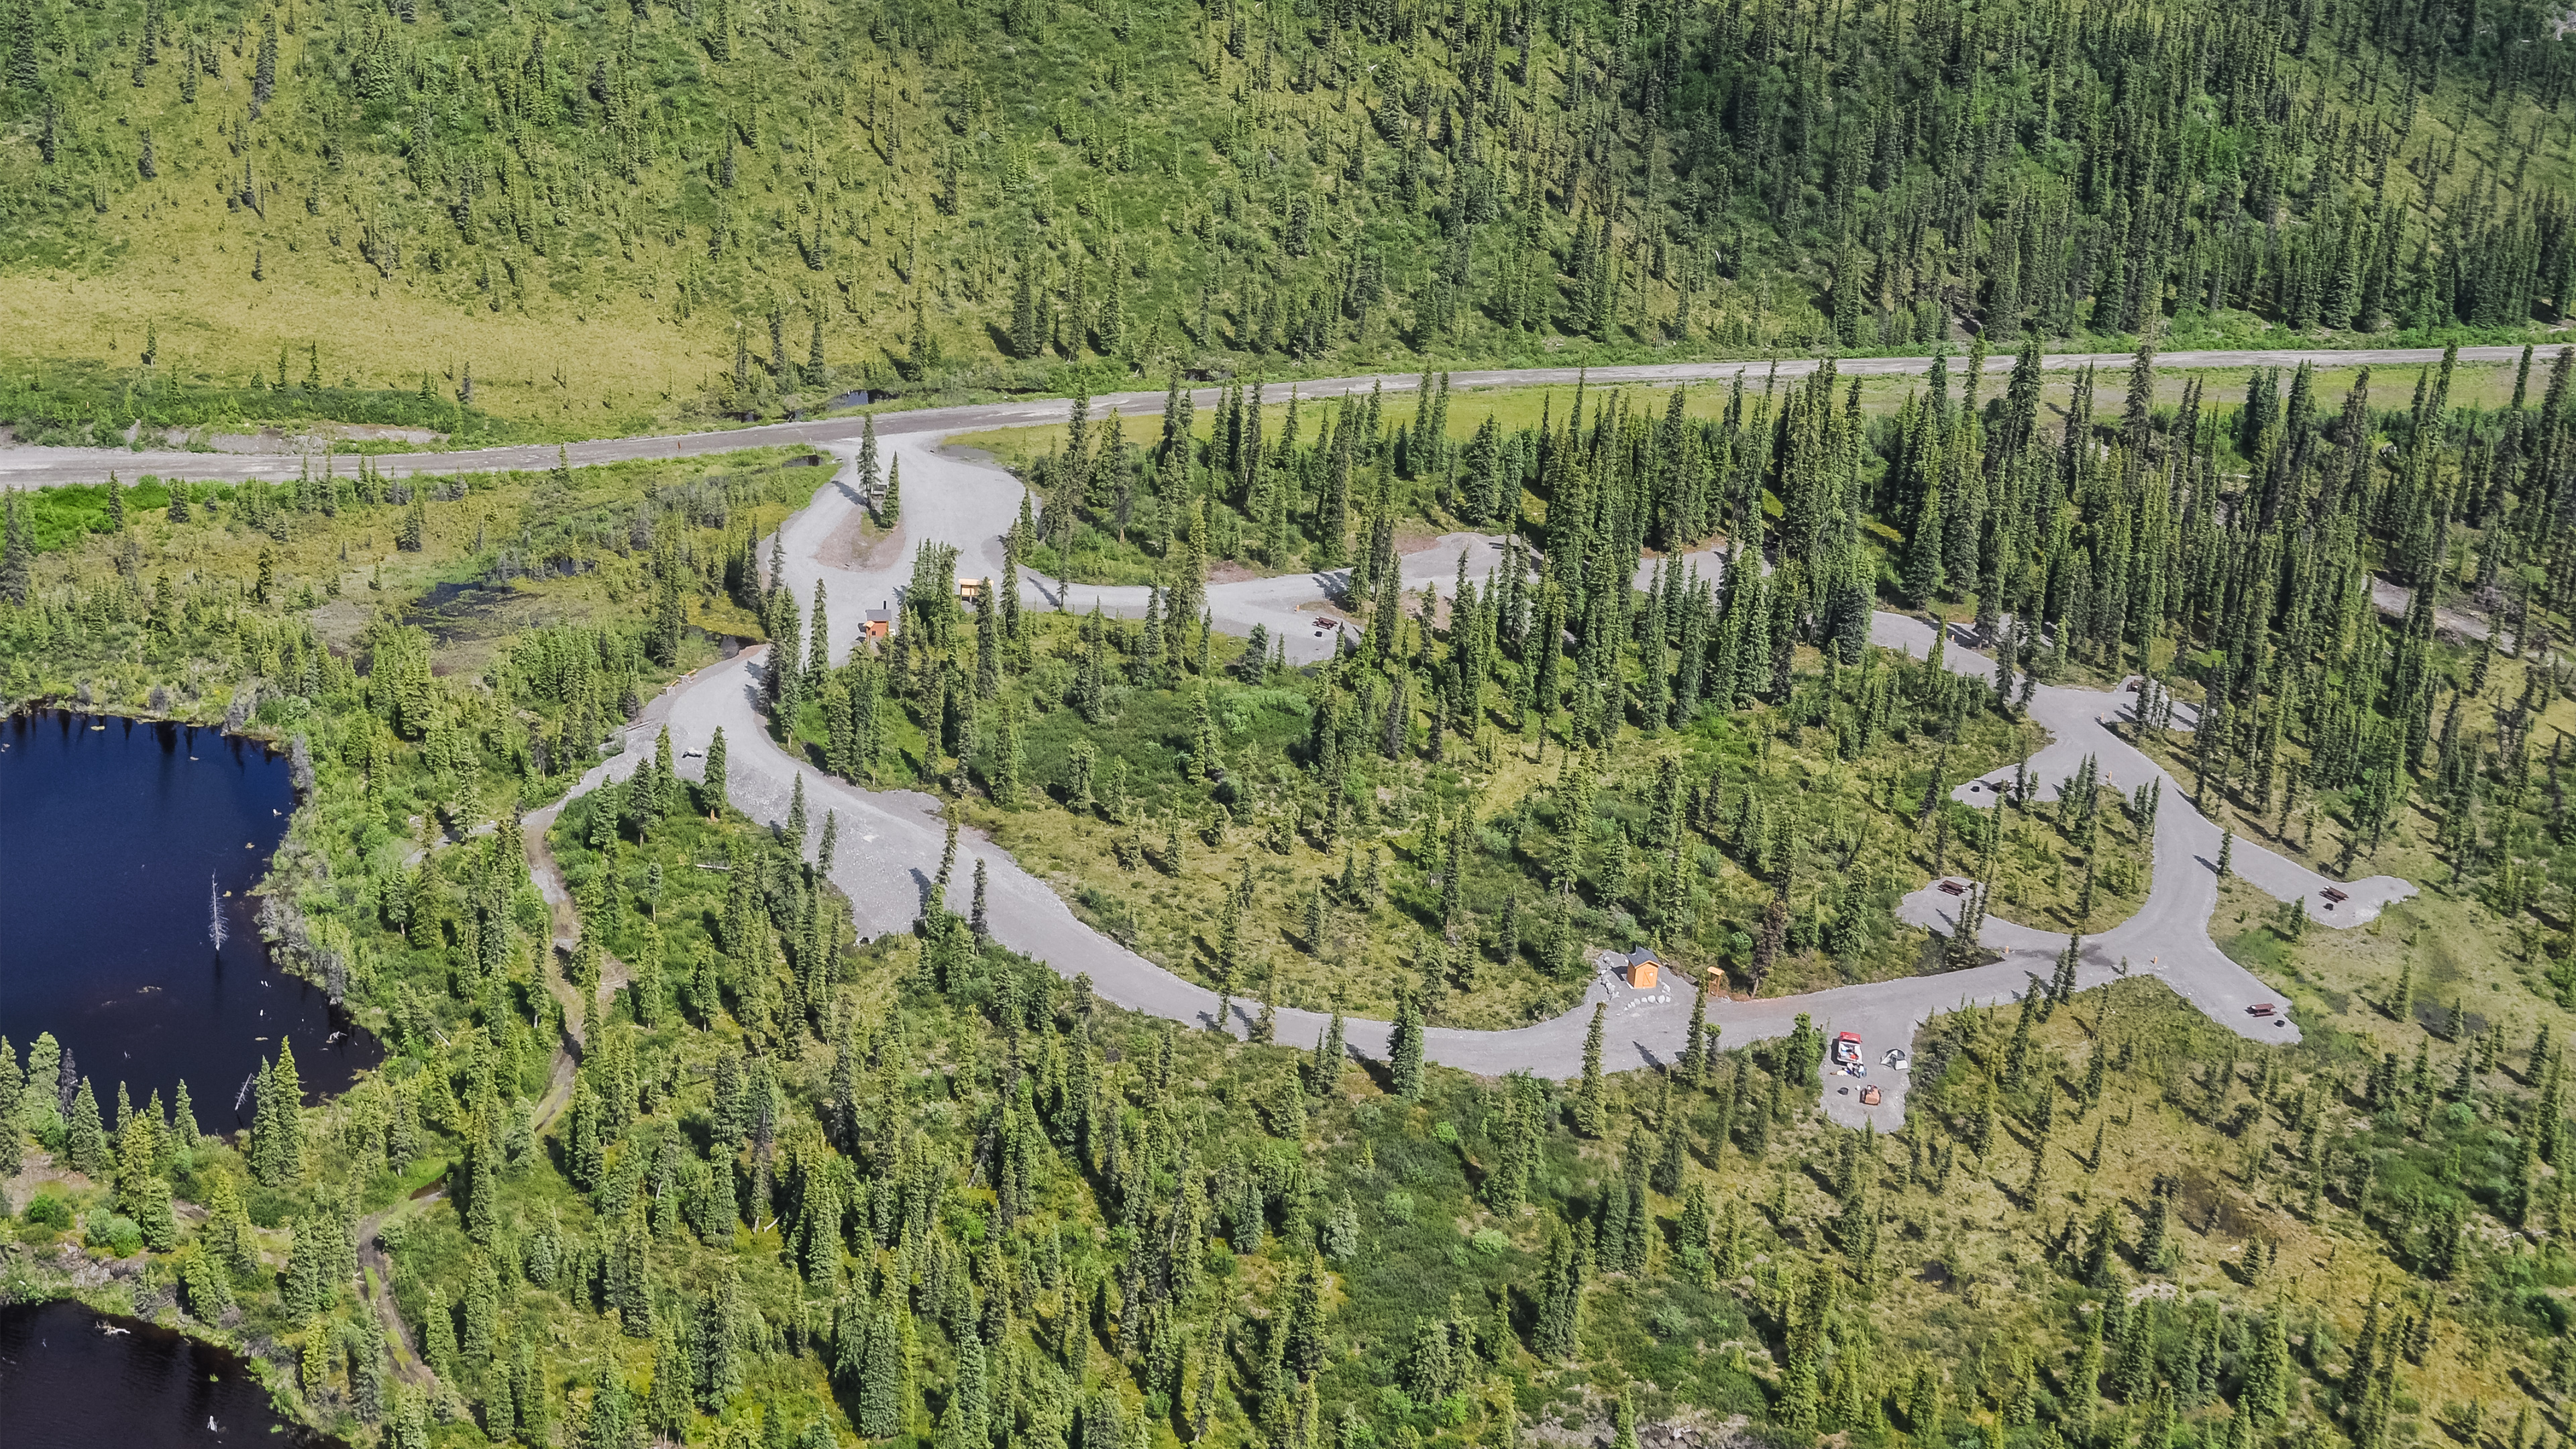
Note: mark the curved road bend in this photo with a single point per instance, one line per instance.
(894, 838)
(39, 467)
(890, 841)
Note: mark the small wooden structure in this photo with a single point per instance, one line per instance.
(880, 623)
(971, 591)
(1643, 966)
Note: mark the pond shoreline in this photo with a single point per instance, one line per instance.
(137, 1290)
(151, 827)
(29, 1283)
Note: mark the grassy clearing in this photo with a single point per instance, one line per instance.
(1348, 914)
(2035, 860)
(677, 222)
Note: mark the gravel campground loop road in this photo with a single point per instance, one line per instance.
(891, 840)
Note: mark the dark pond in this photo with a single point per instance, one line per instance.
(454, 611)
(67, 1384)
(118, 842)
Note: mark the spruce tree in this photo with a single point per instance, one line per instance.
(947, 862)
(1672, 1150)
(1697, 1039)
(1558, 1329)
(13, 1085)
(438, 1335)
(483, 1180)
(1025, 338)
(1304, 1352)
(711, 790)
(1591, 1107)
(227, 1233)
(2133, 1360)
(1404, 1045)
(882, 1381)
(865, 463)
(17, 550)
(85, 1141)
(308, 1289)
(721, 1339)
(1923, 572)
(611, 1424)
(2268, 1375)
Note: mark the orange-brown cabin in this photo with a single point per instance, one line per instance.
(1643, 969)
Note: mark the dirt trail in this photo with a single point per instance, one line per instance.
(376, 1276)
(375, 1265)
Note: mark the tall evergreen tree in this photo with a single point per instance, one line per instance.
(1404, 1046)
(1591, 1104)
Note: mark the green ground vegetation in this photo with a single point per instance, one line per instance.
(718, 1175)
(2082, 864)
(1409, 818)
(923, 1191)
(290, 612)
(606, 217)
(2481, 841)
(1464, 459)
(124, 587)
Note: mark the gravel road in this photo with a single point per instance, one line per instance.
(890, 841)
(40, 467)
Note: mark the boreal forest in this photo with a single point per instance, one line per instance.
(1509, 789)
(661, 1151)
(485, 220)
